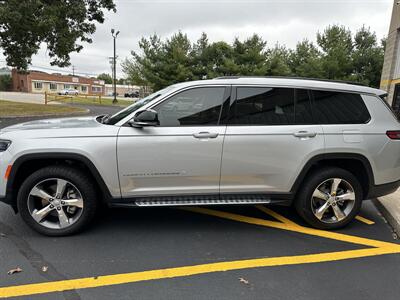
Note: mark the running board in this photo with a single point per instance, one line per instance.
(153, 202)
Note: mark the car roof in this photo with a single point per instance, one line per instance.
(297, 82)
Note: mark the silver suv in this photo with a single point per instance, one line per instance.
(318, 145)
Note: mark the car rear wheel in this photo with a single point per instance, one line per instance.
(329, 198)
(57, 201)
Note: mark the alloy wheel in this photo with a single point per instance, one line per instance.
(55, 203)
(333, 200)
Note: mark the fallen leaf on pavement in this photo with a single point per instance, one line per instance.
(13, 271)
(242, 280)
(45, 268)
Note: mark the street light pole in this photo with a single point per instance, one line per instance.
(114, 66)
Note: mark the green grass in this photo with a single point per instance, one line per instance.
(18, 109)
(90, 101)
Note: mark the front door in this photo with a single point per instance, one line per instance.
(182, 156)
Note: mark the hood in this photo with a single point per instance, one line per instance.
(81, 122)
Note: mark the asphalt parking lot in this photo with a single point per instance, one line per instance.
(241, 252)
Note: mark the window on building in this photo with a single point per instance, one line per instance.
(67, 86)
(339, 108)
(197, 106)
(84, 89)
(96, 89)
(53, 86)
(38, 85)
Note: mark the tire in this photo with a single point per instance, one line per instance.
(324, 214)
(79, 204)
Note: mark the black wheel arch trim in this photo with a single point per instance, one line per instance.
(10, 192)
(331, 156)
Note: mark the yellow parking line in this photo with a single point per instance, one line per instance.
(290, 227)
(365, 220)
(92, 282)
(275, 215)
(379, 248)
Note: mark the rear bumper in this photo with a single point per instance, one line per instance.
(383, 189)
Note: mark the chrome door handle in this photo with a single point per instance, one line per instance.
(302, 134)
(205, 135)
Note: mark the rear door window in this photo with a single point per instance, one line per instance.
(331, 107)
(270, 106)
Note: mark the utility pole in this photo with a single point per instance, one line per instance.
(114, 66)
(73, 70)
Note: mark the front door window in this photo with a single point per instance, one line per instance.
(194, 107)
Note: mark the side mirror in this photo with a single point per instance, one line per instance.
(143, 118)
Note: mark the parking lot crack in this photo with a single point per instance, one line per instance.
(36, 260)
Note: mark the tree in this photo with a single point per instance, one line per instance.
(337, 46)
(220, 56)
(278, 61)
(305, 60)
(160, 63)
(200, 54)
(337, 56)
(61, 25)
(106, 77)
(250, 56)
(367, 58)
(141, 68)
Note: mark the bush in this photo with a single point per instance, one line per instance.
(5, 82)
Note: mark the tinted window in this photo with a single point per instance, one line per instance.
(270, 106)
(303, 112)
(198, 106)
(339, 108)
(396, 101)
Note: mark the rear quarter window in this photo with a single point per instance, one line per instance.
(331, 107)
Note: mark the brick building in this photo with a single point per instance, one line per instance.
(390, 80)
(40, 82)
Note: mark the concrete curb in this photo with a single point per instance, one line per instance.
(389, 207)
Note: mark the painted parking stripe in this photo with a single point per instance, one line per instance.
(275, 215)
(290, 227)
(379, 248)
(365, 220)
(101, 281)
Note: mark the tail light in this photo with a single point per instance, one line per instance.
(393, 134)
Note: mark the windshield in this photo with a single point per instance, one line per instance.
(138, 104)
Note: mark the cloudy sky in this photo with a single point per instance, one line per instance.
(282, 21)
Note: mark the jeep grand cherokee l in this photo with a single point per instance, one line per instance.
(318, 145)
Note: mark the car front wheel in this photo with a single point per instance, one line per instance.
(329, 198)
(57, 201)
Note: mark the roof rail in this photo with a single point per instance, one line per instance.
(294, 77)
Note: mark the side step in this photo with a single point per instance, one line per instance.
(184, 202)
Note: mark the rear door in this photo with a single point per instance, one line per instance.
(270, 136)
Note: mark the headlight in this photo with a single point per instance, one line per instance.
(4, 144)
